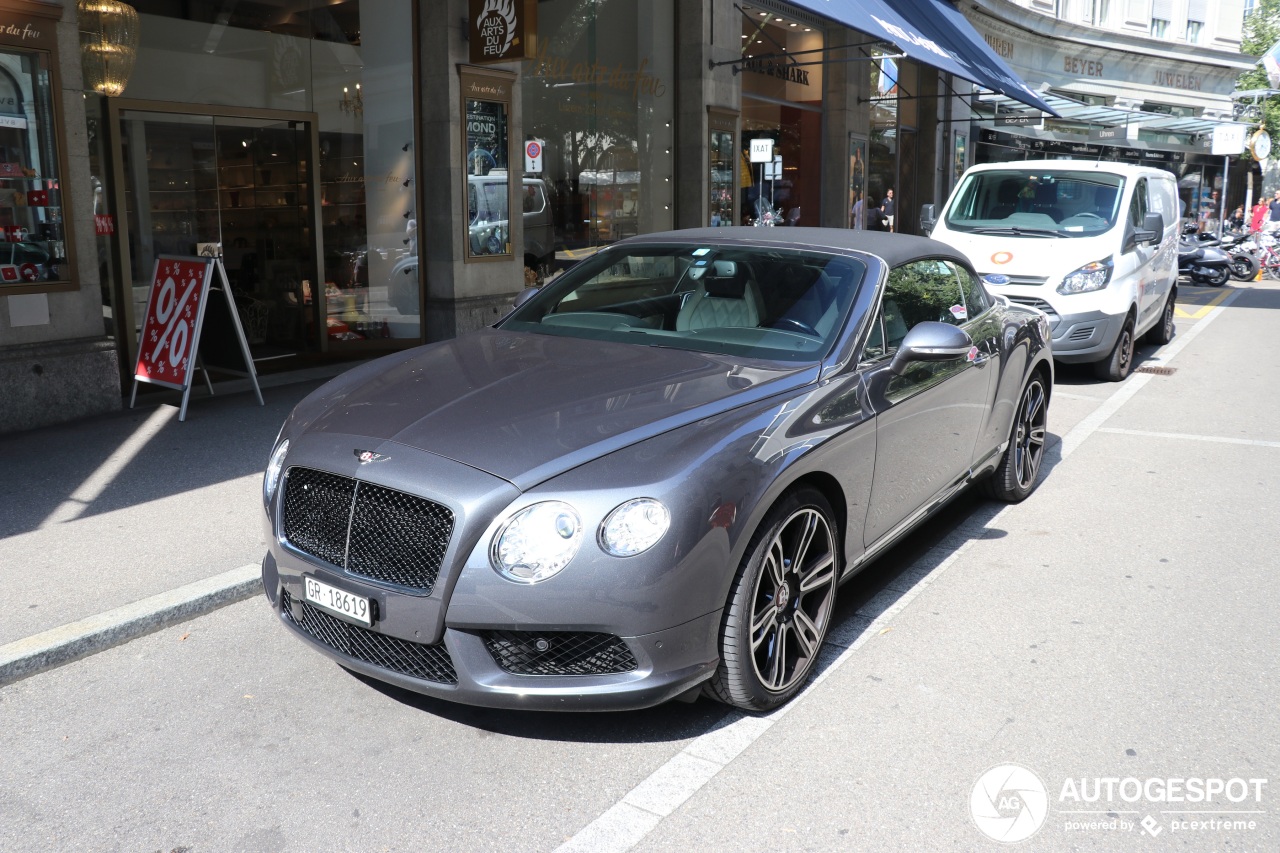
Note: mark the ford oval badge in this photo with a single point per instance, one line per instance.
(996, 278)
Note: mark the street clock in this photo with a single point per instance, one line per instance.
(1260, 145)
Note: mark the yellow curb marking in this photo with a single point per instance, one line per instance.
(1204, 309)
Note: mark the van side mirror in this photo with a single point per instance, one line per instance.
(928, 219)
(1152, 230)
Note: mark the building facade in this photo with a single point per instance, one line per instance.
(376, 174)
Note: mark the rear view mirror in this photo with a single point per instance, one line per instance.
(928, 219)
(1152, 230)
(524, 296)
(931, 341)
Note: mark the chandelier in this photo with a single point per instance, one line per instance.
(109, 34)
(350, 104)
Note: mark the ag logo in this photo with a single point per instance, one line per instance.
(1009, 803)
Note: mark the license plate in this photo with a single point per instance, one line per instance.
(338, 601)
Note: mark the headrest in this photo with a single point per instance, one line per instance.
(726, 280)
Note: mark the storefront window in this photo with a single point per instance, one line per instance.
(882, 167)
(33, 247)
(285, 141)
(723, 156)
(782, 101)
(599, 99)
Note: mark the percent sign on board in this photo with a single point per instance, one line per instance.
(169, 312)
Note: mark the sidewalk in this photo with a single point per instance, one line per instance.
(115, 526)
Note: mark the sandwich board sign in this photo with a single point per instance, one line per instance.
(178, 308)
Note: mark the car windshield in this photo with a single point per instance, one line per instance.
(1017, 203)
(776, 304)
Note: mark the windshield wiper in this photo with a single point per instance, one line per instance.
(1019, 231)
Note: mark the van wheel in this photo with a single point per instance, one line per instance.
(1161, 333)
(1117, 366)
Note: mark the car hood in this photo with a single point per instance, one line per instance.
(525, 407)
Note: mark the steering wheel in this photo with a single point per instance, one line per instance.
(790, 324)
(1090, 214)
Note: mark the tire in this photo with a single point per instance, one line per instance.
(1116, 366)
(1161, 333)
(1215, 277)
(1244, 267)
(780, 605)
(1017, 474)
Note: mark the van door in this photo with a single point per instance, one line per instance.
(1139, 260)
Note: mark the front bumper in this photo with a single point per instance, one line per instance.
(1085, 337)
(638, 672)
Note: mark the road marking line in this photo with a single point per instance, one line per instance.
(628, 822)
(1206, 308)
(1189, 437)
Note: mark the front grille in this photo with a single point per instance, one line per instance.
(559, 653)
(1033, 302)
(369, 530)
(419, 660)
(1026, 280)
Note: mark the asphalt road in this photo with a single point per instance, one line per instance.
(1119, 625)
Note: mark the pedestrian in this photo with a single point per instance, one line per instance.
(859, 212)
(1273, 212)
(1209, 213)
(1258, 217)
(887, 210)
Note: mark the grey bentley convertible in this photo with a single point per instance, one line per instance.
(651, 477)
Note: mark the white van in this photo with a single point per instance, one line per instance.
(1093, 245)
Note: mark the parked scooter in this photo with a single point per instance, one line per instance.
(1242, 251)
(1204, 264)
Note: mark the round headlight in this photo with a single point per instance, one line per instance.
(537, 542)
(272, 478)
(634, 527)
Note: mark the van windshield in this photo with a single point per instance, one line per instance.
(1019, 203)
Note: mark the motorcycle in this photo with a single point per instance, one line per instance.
(1204, 264)
(1241, 250)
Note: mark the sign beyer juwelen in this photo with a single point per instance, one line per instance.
(502, 30)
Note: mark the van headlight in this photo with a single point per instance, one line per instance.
(275, 466)
(1090, 277)
(537, 542)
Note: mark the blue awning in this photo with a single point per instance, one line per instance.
(935, 33)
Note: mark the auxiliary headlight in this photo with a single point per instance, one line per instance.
(537, 542)
(1088, 278)
(272, 478)
(634, 527)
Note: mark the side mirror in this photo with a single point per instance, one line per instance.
(928, 219)
(524, 296)
(931, 341)
(1152, 230)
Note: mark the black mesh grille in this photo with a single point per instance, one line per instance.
(317, 510)
(393, 536)
(559, 653)
(430, 663)
(398, 538)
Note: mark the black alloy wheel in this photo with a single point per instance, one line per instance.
(780, 606)
(1017, 475)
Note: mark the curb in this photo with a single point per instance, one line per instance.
(71, 642)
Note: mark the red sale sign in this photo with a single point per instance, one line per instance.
(166, 350)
